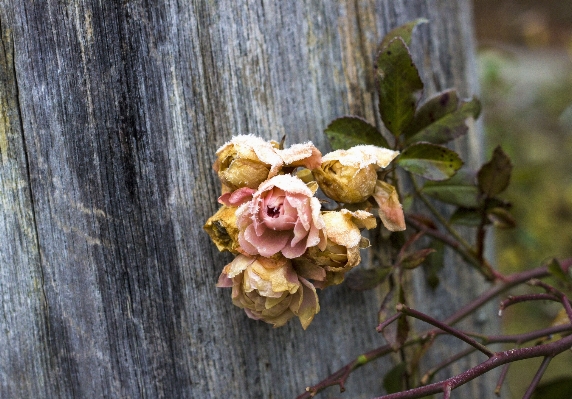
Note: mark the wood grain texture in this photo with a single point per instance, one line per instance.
(110, 115)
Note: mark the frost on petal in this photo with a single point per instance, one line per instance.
(246, 161)
(361, 156)
(238, 265)
(282, 216)
(390, 211)
(340, 228)
(306, 155)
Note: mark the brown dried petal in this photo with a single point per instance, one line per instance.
(390, 211)
(222, 229)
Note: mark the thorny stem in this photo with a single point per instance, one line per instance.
(340, 376)
(547, 350)
(453, 331)
(559, 294)
(537, 377)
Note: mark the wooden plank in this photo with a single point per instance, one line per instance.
(114, 112)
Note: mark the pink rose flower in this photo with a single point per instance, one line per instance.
(269, 289)
(282, 216)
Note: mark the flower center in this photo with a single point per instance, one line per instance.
(273, 211)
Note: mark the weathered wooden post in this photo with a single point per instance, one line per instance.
(110, 113)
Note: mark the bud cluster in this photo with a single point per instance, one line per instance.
(286, 246)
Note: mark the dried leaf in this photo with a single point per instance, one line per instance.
(494, 176)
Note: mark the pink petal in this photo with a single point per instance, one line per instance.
(224, 281)
(245, 243)
(295, 251)
(267, 244)
(237, 197)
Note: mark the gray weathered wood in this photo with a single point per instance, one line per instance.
(110, 113)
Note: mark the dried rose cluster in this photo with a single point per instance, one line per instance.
(286, 245)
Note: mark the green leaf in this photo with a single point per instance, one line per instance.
(560, 388)
(501, 218)
(350, 131)
(432, 110)
(459, 190)
(366, 279)
(449, 126)
(434, 263)
(555, 269)
(404, 32)
(415, 259)
(494, 176)
(433, 162)
(399, 86)
(466, 217)
(393, 380)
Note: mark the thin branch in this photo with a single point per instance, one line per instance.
(537, 377)
(339, 377)
(500, 358)
(444, 222)
(428, 376)
(502, 377)
(467, 254)
(387, 322)
(511, 300)
(442, 326)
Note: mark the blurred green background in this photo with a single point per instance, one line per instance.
(525, 55)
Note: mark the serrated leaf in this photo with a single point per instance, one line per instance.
(415, 259)
(350, 131)
(459, 190)
(393, 380)
(432, 110)
(366, 279)
(560, 388)
(399, 86)
(494, 176)
(404, 32)
(501, 218)
(449, 126)
(431, 161)
(466, 217)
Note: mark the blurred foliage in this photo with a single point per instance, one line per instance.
(527, 103)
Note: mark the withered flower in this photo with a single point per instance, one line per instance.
(342, 253)
(283, 216)
(222, 229)
(390, 210)
(269, 289)
(248, 160)
(349, 176)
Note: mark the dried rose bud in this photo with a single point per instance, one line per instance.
(222, 229)
(269, 289)
(349, 176)
(247, 160)
(342, 253)
(390, 211)
(283, 216)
